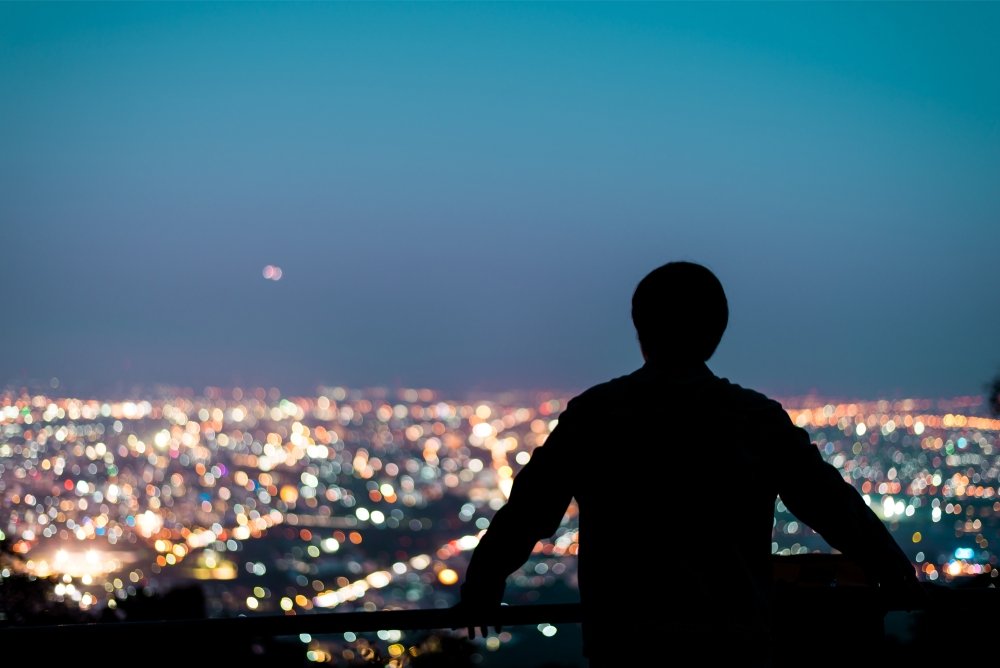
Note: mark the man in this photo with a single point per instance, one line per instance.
(675, 472)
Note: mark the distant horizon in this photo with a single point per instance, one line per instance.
(146, 390)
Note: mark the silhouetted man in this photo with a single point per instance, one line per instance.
(675, 472)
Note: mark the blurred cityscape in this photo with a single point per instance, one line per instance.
(373, 499)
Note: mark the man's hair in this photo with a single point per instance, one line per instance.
(680, 311)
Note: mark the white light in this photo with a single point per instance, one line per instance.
(379, 579)
(327, 599)
(888, 506)
(466, 543)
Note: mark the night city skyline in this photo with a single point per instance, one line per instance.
(463, 197)
(351, 500)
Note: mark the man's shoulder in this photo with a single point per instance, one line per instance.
(609, 393)
(748, 396)
(755, 408)
(609, 390)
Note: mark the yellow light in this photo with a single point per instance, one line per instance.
(447, 577)
(289, 494)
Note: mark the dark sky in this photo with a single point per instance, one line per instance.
(464, 196)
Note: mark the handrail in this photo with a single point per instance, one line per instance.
(937, 598)
(318, 623)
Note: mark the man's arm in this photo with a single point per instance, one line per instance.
(541, 492)
(818, 495)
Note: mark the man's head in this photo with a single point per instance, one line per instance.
(680, 312)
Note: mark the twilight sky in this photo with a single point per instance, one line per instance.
(463, 196)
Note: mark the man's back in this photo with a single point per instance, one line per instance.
(676, 473)
(676, 495)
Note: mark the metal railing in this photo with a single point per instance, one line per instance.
(287, 625)
(807, 618)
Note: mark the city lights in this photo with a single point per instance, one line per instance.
(363, 499)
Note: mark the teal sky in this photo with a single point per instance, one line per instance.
(463, 195)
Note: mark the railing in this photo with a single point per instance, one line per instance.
(288, 625)
(809, 620)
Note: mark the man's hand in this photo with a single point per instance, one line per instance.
(479, 618)
(480, 605)
(903, 590)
